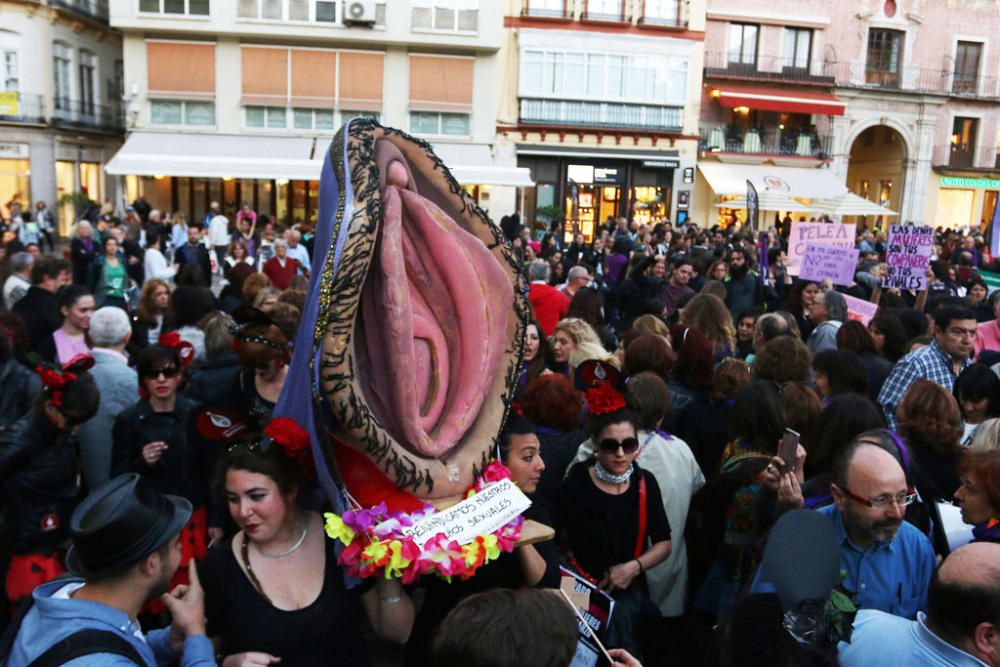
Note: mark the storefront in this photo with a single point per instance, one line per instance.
(586, 187)
(962, 201)
(15, 176)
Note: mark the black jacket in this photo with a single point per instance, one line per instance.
(212, 382)
(19, 388)
(181, 470)
(39, 487)
(40, 310)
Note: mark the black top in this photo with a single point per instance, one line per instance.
(876, 370)
(504, 572)
(706, 431)
(40, 310)
(935, 475)
(600, 528)
(327, 632)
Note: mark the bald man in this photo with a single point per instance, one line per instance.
(961, 627)
(887, 563)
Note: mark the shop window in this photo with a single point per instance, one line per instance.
(182, 112)
(743, 45)
(967, 58)
(186, 7)
(885, 58)
(798, 45)
(445, 15)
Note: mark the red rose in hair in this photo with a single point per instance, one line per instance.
(289, 436)
(171, 339)
(184, 349)
(51, 378)
(603, 399)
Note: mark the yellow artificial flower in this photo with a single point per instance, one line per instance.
(338, 530)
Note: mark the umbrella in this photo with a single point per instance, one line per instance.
(850, 204)
(769, 201)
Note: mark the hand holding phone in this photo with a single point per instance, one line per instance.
(788, 448)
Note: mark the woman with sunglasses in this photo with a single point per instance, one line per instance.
(612, 522)
(39, 476)
(275, 592)
(150, 438)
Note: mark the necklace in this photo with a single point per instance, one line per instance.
(611, 478)
(293, 549)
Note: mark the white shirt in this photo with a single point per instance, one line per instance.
(156, 266)
(299, 253)
(13, 289)
(218, 231)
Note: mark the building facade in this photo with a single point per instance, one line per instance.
(60, 102)
(601, 102)
(896, 100)
(236, 101)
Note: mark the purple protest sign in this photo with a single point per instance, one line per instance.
(828, 261)
(860, 310)
(908, 256)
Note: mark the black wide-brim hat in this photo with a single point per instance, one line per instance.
(121, 522)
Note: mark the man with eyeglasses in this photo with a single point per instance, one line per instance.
(886, 563)
(941, 362)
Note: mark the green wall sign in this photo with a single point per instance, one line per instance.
(955, 182)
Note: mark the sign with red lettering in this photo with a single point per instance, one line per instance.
(817, 233)
(908, 256)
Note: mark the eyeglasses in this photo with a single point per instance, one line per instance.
(610, 445)
(884, 501)
(167, 373)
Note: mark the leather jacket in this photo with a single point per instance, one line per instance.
(20, 388)
(39, 484)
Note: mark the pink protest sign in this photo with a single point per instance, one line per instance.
(829, 261)
(860, 310)
(818, 233)
(908, 256)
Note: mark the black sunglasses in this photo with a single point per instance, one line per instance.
(610, 445)
(167, 372)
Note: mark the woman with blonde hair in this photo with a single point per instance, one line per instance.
(709, 314)
(266, 298)
(569, 332)
(987, 437)
(651, 324)
(588, 350)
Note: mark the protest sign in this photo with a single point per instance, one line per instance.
(595, 607)
(908, 256)
(829, 261)
(860, 310)
(481, 514)
(818, 233)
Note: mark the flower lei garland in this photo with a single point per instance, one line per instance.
(375, 544)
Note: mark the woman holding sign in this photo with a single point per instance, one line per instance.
(275, 592)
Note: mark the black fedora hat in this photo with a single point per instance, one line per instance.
(122, 521)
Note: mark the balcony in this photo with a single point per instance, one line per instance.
(21, 108)
(92, 9)
(717, 66)
(557, 9)
(75, 113)
(764, 141)
(963, 156)
(578, 113)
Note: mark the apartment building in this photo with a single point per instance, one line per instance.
(237, 100)
(894, 100)
(601, 103)
(60, 102)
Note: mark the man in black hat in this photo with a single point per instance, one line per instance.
(126, 549)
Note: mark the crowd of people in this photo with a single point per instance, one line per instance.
(141, 361)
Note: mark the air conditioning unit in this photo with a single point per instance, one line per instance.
(359, 12)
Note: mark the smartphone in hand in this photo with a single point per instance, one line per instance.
(788, 448)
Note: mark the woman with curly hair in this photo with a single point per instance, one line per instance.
(931, 424)
(709, 314)
(782, 360)
(150, 317)
(555, 407)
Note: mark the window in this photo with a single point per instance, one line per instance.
(184, 7)
(743, 44)
(663, 12)
(272, 118)
(885, 55)
(963, 141)
(88, 77)
(11, 71)
(312, 119)
(453, 15)
(432, 122)
(321, 11)
(798, 45)
(176, 112)
(655, 79)
(967, 58)
(553, 8)
(61, 73)
(605, 10)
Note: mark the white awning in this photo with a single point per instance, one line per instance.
(851, 204)
(267, 157)
(801, 182)
(768, 201)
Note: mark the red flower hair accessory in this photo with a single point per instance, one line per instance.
(603, 399)
(55, 379)
(184, 349)
(293, 440)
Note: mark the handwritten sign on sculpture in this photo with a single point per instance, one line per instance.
(483, 513)
(817, 233)
(860, 310)
(829, 261)
(908, 256)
